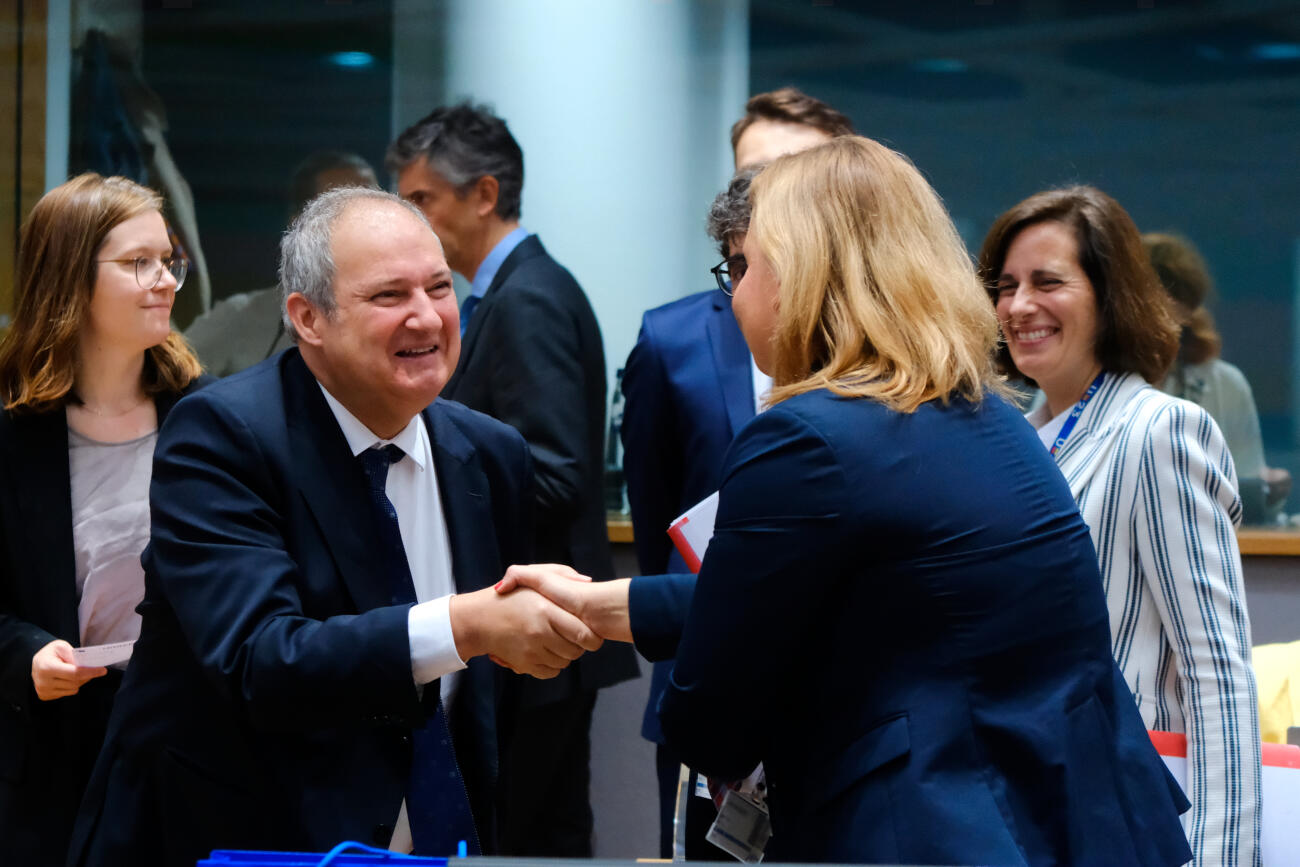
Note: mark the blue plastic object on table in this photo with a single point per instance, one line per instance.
(343, 855)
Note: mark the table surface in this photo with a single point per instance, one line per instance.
(1254, 541)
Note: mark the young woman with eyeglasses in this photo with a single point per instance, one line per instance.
(88, 369)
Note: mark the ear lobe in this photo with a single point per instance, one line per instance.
(486, 189)
(305, 318)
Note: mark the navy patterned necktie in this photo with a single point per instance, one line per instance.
(467, 310)
(437, 804)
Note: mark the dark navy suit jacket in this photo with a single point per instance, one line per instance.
(688, 390)
(270, 699)
(901, 616)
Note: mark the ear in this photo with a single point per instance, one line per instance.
(486, 191)
(305, 317)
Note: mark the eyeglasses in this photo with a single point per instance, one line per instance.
(149, 269)
(729, 272)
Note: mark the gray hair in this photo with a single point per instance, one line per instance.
(729, 213)
(306, 253)
(464, 142)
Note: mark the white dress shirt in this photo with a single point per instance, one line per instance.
(762, 384)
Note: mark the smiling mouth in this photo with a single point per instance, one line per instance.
(416, 353)
(1034, 334)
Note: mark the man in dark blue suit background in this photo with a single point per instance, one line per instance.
(304, 611)
(690, 385)
(532, 358)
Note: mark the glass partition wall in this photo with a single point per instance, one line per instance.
(1185, 112)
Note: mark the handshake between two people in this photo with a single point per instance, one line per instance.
(539, 618)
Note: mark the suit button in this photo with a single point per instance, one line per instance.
(406, 739)
(382, 835)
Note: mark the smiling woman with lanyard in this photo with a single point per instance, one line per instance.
(1084, 317)
(87, 371)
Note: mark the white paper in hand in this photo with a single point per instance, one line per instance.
(103, 654)
(693, 530)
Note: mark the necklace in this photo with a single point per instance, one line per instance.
(90, 409)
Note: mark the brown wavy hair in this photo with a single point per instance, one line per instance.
(791, 105)
(1137, 331)
(1186, 278)
(877, 295)
(60, 241)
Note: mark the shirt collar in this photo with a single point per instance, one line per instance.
(487, 271)
(360, 437)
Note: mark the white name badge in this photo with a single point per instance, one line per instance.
(742, 828)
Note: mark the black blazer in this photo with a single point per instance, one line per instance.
(269, 702)
(532, 357)
(46, 748)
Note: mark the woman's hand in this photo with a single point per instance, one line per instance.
(55, 673)
(602, 605)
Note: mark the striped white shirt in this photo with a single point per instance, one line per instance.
(1156, 485)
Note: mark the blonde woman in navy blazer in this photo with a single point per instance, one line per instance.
(899, 613)
(1085, 318)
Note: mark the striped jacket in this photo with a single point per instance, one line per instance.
(1156, 485)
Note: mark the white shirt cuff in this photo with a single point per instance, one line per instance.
(433, 648)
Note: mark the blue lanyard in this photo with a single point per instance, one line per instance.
(1068, 427)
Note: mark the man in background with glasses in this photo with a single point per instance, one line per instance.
(690, 385)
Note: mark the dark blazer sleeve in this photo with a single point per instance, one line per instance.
(32, 491)
(657, 608)
(769, 569)
(652, 454)
(537, 388)
(19, 640)
(219, 554)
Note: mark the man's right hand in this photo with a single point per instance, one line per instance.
(55, 673)
(523, 631)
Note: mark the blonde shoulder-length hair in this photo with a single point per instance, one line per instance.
(60, 241)
(878, 297)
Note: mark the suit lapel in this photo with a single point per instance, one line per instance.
(466, 506)
(463, 490)
(332, 482)
(525, 249)
(38, 464)
(731, 358)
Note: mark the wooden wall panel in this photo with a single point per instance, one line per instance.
(22, 127)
